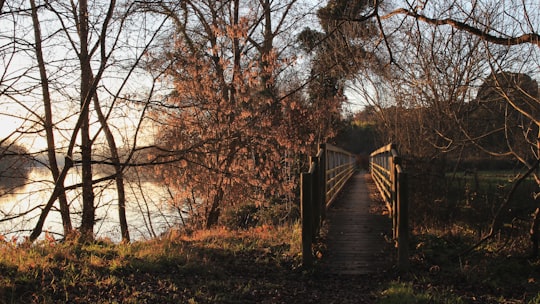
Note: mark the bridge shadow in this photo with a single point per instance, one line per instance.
(358, 231)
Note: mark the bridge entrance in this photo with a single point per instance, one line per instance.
(358, 229)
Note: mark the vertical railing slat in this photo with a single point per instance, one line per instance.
(322, 164)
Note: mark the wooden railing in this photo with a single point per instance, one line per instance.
(391, 180)
(328, 172)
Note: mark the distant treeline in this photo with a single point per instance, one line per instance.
(15, 166)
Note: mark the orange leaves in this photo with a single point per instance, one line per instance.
(230, 31)
(244, 114)
(183, 163)
(239, 140)
(237, 31)
(262, 230)
(51, 241)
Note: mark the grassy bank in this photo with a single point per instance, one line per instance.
(208, 266)
(441, 273)
(259, 265)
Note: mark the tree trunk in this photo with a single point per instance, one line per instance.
(56, 192)
(119, 173)
(48, 124)
(212, 216)
(88, 208)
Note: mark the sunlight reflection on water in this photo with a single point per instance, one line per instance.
(147, 211)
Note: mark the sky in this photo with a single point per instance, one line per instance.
(9, 124)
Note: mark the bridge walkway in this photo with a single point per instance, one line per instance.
(358, 231)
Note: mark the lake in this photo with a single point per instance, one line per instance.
(147, 210)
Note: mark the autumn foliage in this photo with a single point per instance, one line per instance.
(233, 132)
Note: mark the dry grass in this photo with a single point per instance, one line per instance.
(173, 268)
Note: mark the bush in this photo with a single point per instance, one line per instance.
(242, 217)
(250, 215)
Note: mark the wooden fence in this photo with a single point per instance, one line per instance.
(391, 180)
(328, 172)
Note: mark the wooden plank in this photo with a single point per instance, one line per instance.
(357, 232)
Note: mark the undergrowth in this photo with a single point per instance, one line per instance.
(218, 265)
(449, 264)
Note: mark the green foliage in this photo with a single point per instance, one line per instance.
(309, 39)
(336, 11)
(357, 137)
(242, 217)
(402, 293)
(252, 215)
(405, 293)
(535, 300)
(468, 200)
(475, 197)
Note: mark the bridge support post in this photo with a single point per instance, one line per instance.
(403, 223)
(321, 181)
(315, 198)
(306, 206)
(393, 196)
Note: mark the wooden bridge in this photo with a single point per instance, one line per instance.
(357, 229)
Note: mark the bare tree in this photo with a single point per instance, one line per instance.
(499, 28)
(439, 53)
(85, 55)
(48, 123)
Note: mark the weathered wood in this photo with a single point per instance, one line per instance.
(328, 173)
(306, 183)
(403, 224)
(391, 180)
(357, 232)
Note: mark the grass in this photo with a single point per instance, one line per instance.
(205, 267)
(258, 265)
(441, 274)
(485, 276)
(405, 293)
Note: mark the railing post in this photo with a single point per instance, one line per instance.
(391, 180)
(393, 193)
(403, 223)
(328, 172)
(306, 207)
(315, 199)
(322, 180)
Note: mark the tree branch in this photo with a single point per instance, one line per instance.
(532, 38)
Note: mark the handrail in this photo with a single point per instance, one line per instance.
(340, 166)
(328, 172)
(391, 180)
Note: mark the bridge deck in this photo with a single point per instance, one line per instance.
(358, 231)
